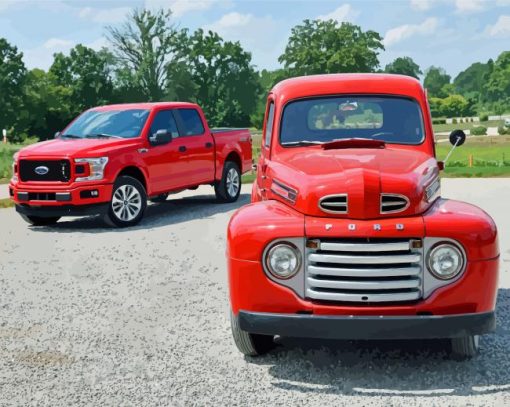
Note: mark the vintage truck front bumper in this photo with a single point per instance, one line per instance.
(367, 327)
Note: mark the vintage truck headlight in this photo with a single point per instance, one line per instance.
(283, 260)
(96, 166)
(14, 168)
(445, 261)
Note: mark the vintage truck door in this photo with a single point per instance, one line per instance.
(263, 183)
(199, 146)
(167, 163)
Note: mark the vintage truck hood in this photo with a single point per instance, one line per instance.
(93, 147)
(362, 174)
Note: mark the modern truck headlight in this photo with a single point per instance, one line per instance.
(15, 167)
(96, 166)
(283, 260)
(445, 261)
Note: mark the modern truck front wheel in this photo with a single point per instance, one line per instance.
(465, 347)
(128, 202)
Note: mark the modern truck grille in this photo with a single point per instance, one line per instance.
(47, 170)
(334, 203)
(393, 203)
(364, 270)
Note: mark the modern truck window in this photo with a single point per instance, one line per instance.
(164, 120)
(190, 122)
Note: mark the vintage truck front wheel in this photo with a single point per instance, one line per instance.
(247, 343)
(465, 347)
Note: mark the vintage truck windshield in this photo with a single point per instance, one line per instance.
(390, 119)
(108, 123)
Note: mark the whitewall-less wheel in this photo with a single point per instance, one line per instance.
(128, 202)
(229, 187)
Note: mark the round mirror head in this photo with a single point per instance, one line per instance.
(457, 137)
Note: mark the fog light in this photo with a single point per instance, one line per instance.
(283, 260)
(445, 261)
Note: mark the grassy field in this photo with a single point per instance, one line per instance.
(465, 126)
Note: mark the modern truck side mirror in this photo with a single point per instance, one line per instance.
(457, 138)
(58, 134)
(160, 137)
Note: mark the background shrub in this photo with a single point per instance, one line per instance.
(502, 130)
(479, 131)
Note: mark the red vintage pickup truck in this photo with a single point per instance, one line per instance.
(347, 236)
(111, 159)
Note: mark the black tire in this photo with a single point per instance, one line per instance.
(129, 211)
(465, 347)
(40, 221)
(159, 198)
(231, 177)
(250, 344)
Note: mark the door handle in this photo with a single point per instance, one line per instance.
(208, 145)
(182, 149)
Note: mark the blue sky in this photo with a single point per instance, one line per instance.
(448, 33)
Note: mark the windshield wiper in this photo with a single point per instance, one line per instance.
(101, 135)
(301, 143)
(353, 143)
(70, 136)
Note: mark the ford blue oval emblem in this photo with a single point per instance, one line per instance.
(42, 170)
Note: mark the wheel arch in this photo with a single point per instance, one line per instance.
(136, 173)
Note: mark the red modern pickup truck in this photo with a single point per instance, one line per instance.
(111, 159)
(347, 236)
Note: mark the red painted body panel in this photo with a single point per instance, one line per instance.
(363, 174)
(164, 168)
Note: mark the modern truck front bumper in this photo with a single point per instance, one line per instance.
(367, 327)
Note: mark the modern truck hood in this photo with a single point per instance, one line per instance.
(362, 175)
(91, 147)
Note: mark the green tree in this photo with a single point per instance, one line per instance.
(47, 107)
(318, 46)
(498, 83)
(145, 46)
(12, 77)
(226, 84)
(454, 106)
(87, 74)
(435, 79)
(471, 80)
(404, 66)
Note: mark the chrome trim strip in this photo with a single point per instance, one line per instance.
(364, 272)
(365, 247)
(348, 259)
(365, 284)
(365, 297)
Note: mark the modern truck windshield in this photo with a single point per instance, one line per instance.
(390, 119)
(108, 123)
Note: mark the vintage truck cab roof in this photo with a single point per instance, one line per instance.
(350, 83)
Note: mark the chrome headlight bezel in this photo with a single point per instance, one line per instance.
(457, 251)
(292, 249)
(97, 166)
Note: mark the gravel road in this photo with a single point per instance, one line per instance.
(90, 315)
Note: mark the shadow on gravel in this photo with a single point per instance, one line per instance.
(399, 368)
(170, 212)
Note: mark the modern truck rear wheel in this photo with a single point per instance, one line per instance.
(229, 187)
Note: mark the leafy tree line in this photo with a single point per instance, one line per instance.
(154, 60)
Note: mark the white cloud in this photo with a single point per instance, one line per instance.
(421, 5)
(265, 44)
(57, 44)
(343, 13)
(104, 16)
(500, 29)
(405, 31)
(181, 7)
(469, 6)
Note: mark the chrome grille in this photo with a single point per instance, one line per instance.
(363, 270)
(334, 203)
(393, 203)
